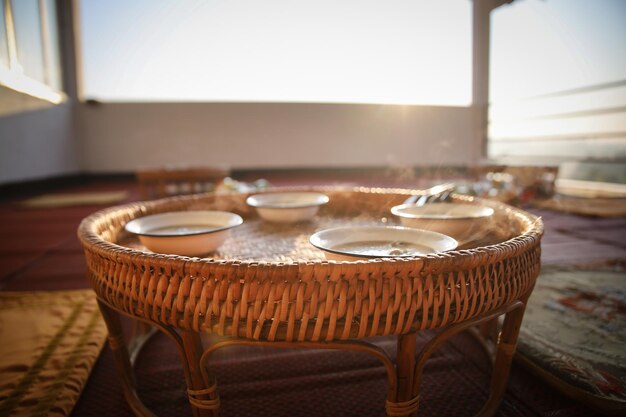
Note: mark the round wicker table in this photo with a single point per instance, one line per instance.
(268, 285)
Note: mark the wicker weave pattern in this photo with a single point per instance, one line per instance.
(267, 284)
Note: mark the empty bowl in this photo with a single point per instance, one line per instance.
(358, 243)
(187, 233)
(287, 207)
(463, 222)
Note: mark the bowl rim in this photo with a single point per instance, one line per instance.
(128, 226)
(397, 210)
(254, 200)
(315, 236)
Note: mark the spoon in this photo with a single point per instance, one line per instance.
(438, 192)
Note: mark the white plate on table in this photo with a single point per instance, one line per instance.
(367, 242)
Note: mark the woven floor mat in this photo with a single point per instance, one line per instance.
(50, 342)
(75, 199)
(278, 382)
(275, 382)
(574, 333)
(596, 207)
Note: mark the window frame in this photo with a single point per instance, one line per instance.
(14, 77)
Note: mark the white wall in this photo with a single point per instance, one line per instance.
(120, 137)
(38, 144)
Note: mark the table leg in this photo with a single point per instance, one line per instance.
(505, 350)
(202, 393)
(122, 360)
(504, 355)
(406, 402)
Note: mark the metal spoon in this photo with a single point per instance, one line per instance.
(438, 192)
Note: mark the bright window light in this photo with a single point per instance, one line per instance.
(558, 80)
(350, 51)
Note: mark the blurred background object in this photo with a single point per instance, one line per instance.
(165, 182)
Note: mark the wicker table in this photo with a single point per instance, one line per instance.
(268, 285)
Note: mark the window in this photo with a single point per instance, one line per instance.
(28, 36)
(558, 80)
(29, 50)
(364, 51)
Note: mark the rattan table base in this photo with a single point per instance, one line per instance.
(266, 285)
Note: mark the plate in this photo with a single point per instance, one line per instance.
(365, 242)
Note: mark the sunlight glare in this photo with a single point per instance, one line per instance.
(407, 52)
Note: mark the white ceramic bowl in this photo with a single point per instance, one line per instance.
(287, 207)
(187, 233)
(358, 243)
(463, 222)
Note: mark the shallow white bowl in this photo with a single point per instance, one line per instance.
(187, 233)
(463, 222)
(287, 207)
(358, 243)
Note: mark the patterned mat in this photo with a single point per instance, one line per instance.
(574, 334)
(50, 342)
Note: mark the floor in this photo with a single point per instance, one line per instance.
(39, 251)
